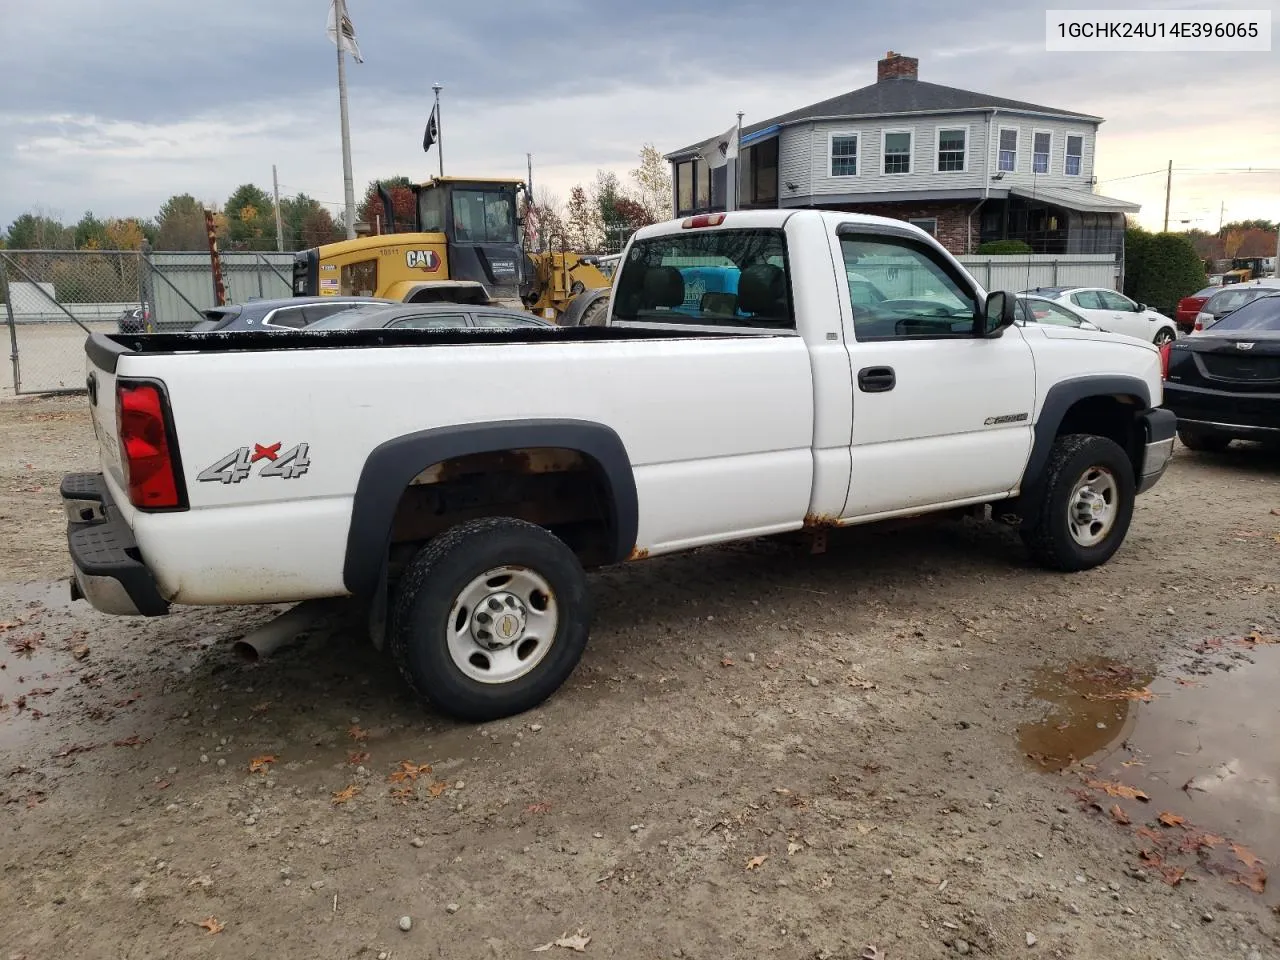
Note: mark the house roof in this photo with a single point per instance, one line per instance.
(899, 95)
(1081, 200)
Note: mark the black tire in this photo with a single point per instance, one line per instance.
(594, 315)
(1163, 336)
(1050, 540)
(1202, 441)
(423, 611)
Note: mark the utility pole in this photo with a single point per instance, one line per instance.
(348, 185)
(275, 187)
(1222, 213)
(1168, 186)
(439, 130)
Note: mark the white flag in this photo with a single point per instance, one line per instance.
(720, 150)
(348, 44)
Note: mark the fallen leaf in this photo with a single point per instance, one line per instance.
(1118, 790)
(263, 763)
(1148, 834)
(793, 848)
(342, 796)
(80, 652)
(1255, 880)
(1151, 857)
(1119, 816)
(726, 662)
(212, 924)
(577, 943)
(1171, 819)
(357, 758)
(756, 862)
(355, 733)
(403, 794)
(261, 707)
(134, 741)
(537, 808)
(162, 784)
(437, 788)
(133, 698)
(409, 771)
(1255, 638)
(77, 748)
(1173, 875)
(1245, 855)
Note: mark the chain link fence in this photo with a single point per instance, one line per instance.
(54, 298)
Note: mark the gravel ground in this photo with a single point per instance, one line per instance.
(763, 753)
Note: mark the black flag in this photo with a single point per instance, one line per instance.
(432, 133)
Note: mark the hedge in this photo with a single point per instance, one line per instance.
(997, 248)
(1160, 268)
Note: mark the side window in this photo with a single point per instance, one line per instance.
(359, 279)
(1115, 301)
(920, 295)
(430, 321)
(1046, 312)
(291, 317)
(318, 311)
(505, 320)
(1088, 300)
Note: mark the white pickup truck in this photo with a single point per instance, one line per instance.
(459, 483)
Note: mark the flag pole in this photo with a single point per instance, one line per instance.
(439, 130)
(737, 163)
(348, 185)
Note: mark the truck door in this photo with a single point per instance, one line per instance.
(940, 414)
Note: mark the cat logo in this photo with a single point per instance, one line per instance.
(426, 260)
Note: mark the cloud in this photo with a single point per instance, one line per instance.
(117, 107)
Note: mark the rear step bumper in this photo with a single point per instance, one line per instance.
(108, 569)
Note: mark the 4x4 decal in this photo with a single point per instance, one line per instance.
(238, 465)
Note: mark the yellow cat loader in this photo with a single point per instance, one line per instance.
(465, 247)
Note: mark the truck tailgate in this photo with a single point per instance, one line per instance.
(100, 369)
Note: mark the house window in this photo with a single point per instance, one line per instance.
(1041, 146)
(844, 155)
(1075, 147)
(764, 172)
(928, 224)
(701, 186)
(1008, 159)
(897, 152)
(951, 150)
(684, 187)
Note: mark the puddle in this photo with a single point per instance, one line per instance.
(1199, 745)
(36, 653)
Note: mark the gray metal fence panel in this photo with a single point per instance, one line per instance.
(53, 298)
(1024, 272)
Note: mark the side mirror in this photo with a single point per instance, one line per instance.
(998, 313)
(1142, 308)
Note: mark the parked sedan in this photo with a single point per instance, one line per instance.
(1224, 384)
(1232, 297)
(428, 316)
(291, 313)
(1188, 307)
(1113, 312)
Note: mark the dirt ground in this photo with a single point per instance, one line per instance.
(763, 754)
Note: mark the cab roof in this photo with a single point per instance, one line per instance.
(449, 181)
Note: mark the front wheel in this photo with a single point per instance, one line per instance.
(1087, 504)
(1203, 442)
(490, 618)
(1165, 335)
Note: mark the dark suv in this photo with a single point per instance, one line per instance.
(292, 313)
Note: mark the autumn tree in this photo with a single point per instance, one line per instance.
(404, 204)
(1232, 242)
(180, 224)
(306, 223)
(653, 184)
(90, 233)
(583, 229)
(126, 234)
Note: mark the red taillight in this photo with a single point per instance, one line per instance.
(1165, 349)
(146, 448)
(703, 220)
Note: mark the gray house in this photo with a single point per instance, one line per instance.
(967, 167)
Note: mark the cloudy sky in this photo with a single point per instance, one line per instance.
(115, 106)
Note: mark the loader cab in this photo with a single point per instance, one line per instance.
(482, 234)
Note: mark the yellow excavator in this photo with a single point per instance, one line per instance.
(465, 247)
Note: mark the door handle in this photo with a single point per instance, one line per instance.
(876, 379)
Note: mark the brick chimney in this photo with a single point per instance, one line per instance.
(895, 66)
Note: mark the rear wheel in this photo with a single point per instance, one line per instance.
(1165, 335)
(594, 315)
(1203, 441)
(490, 618)
(1087, 504)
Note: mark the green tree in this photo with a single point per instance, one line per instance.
(251, 219)
(306, 223)
(91, 233)
(180, 224)
(1160, 268)
(996, 248)
(582, 227)
(38, 231)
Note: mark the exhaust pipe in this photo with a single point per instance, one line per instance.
(291, 625)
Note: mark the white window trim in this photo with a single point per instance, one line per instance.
(916, 221)
(856, 135)
(911, 153)
(937, 147)
(1049, 162)
(1017, 148)
(1065, 137)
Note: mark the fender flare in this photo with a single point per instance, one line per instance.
(578, 305)
(393, 464)
(1060, 398)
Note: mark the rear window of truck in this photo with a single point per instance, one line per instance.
(736, 278)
